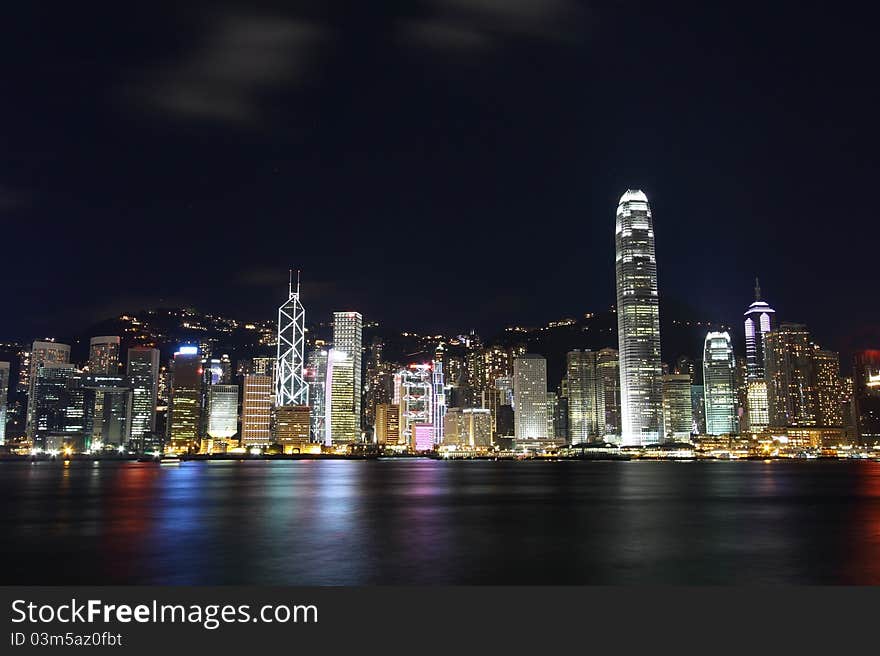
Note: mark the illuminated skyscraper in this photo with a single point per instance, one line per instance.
(51, 400)
(791, 397)
(638, 321)
(42, 353)
(585, 400)
(678, 418)
(316, 379)
(415, 395)
(290, 383)
(387, 424)
(608, 372)
(530, 398)
(342, 424)
(348, 339)
(476, 428)
(256, 410)
(107, 407)
(143, 372)
(185, 411)
(760, 319)
(758, 415)
(4, 389)
(104, 355)
(826, 369)
(719, 384)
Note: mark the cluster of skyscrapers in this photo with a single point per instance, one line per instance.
(315, 396)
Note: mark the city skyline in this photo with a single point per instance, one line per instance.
(785, 381)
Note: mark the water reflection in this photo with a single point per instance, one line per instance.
(423, 521)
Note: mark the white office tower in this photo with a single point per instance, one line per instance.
(290, 383)
(143, 372)
(4, 390)
(719, 385)
(638, 321)
(42, 353)
(104, 355)
(530, 398)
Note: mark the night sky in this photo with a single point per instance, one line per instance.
(436, 164)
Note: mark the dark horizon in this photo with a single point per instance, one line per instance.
(441, 165)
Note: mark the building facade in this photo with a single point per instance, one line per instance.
(719, 385)
(143, 372)
(586, 407)
(678, 416)
(791, 399)
(530, 398)
(256, 410)
(348, 339)
(41, 353)
(185, 403)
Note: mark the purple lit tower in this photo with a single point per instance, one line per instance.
(760, 319)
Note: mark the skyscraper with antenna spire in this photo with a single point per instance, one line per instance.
(290, 383)
(760, 319)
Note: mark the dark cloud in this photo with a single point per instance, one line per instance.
(442, 34)
(240, 61)
(470, 24)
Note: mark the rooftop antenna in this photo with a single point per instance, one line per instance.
(297, 282)
(757, 289)
(290, 282)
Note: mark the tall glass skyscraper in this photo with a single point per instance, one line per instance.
(719, 386)
(608, 367)
(638, 321)
(41, 353)
(316, 379)
(185, 412)
(143, 372)
(585, 399)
